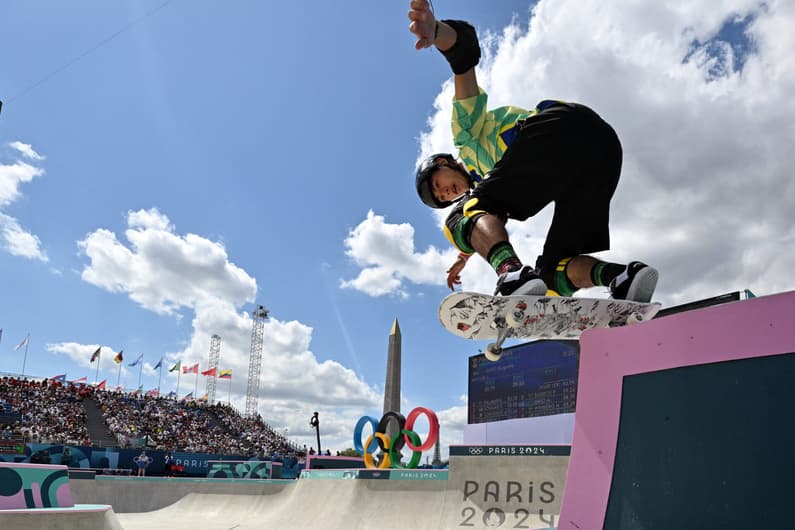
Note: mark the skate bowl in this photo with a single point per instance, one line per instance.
(485, 486)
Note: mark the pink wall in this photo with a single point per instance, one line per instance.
(48, 486)
(354, 461)
(739, 330)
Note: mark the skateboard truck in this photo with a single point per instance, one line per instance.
(494, 349)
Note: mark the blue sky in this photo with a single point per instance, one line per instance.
(155, 186)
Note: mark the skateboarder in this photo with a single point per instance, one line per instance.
(512, 163)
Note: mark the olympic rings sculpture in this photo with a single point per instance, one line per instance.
(391, 448)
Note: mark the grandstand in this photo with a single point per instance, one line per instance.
(42, 412)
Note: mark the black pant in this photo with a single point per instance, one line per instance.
(566, 154)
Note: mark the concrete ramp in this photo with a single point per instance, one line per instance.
(145, 494)
(485, 487)
(82, 516)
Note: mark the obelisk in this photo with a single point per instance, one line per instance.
(392, 384)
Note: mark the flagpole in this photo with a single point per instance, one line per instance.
(196, 384)
(25, 360)
(118, 379)
(140, 371)
(179, 374)
(229, 399)
(99, 360)
(159, 377)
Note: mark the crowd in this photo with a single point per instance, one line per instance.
(48, 414)
(53, 413)
(192, 426)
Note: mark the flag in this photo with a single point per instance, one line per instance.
(153, 393)
(81, 380)
(191, 370)
(96, 354)
(204, 397)
(60, 378)
(211, 372)
(23, 343)
(138, 360)
(159, 363)
(188, 396)
(140, 389)
(102, 384)
(171, 394)
(225, 374)
(175, 367)
(119, 357)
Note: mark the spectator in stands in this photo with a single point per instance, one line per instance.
(54, 414)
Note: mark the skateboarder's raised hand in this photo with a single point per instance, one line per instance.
(423, 24)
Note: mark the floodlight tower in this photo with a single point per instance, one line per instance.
(255, 359)
(215, 353)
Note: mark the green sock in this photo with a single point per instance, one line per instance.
(503, 258)
(604, 272)
(563, 285)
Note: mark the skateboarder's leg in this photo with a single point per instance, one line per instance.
(490, 239)
(565, 266)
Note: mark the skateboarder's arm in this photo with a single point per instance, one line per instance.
(456, 39)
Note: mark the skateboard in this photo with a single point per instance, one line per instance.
(482, 317)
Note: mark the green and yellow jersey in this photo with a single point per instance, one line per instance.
(482, 136)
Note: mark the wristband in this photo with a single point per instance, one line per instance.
(464, 256)
(465, 53)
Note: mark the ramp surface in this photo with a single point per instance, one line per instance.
(485, 487)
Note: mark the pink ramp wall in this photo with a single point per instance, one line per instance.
(739, 330)
(34, 486)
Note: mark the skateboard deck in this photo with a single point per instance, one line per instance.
(482, 317)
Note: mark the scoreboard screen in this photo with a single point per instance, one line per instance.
(533, 379)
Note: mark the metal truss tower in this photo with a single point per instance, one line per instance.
(215, 353)
(255, 359)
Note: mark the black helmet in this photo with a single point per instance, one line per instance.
(424, 172)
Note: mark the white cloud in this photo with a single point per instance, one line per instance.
(19, 242)
(26, 150)
(11, 176)
(13, 238)
(81, 355)
(388, 257)
(171, 273)
(161, 270)
(706, 192)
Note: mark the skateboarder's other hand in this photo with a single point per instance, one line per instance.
(423, 23)
(454, 273)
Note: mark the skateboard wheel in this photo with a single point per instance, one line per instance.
(493, 352)
(634, 318)
(515, 318)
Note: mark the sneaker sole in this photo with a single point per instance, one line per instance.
(643, 285)
(532, 288)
